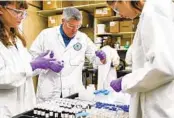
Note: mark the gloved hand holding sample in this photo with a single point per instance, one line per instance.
(41, 62)
(56, 66)
(101, 54)
(116, 84)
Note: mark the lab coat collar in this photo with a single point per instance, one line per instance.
(60, 37)
(72, 42)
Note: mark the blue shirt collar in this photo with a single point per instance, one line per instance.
(63, 33)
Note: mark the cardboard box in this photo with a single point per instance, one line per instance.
(67, 3)
(126, 26)
(114, 27)
(78, 3)
(104, 12)
(35, 3)
(91, 2)
(54, 20)
(49, 4)
(100, 1)
(128, 36)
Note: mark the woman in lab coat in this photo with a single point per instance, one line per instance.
(151, 83)
(107, 72)
(16, 67)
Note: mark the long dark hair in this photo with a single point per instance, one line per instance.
(4, 38)
(134, 4)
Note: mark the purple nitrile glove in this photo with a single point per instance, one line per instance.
(56, 66)
(51, 54)
(100, 54)
(40, 62)
(116, 84)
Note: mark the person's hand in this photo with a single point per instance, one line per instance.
(100, 54)
(56, 66)
(41, 62)
(116, 84)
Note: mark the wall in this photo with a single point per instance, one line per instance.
(32, 26)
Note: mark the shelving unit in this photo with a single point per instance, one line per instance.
(116, 34)
(106, 20)
(111, 18)
(89, 8)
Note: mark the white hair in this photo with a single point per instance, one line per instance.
(72, 13)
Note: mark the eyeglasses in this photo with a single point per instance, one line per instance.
(73, 26)
(19, 13)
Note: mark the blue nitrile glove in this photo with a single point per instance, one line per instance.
(56, 66)
(42, 63)
(101, 91)
(116, 84)
(100, 54)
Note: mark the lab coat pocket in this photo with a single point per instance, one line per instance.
(45, 90)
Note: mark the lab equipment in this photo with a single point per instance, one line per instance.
(105, 110)
(75, 108)
(61, 108)
(126, 46)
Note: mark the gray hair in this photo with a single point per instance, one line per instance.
(71, 13)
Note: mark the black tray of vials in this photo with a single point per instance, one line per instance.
(29, 114)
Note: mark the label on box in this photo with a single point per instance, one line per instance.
(112, 23)
(50, 18)
(105, 11)
(98, 11)
(53, 21)
(48, 2)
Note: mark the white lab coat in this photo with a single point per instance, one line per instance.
(106, 73)
(128, 58)
(151, 84)
(70, 78)
(16, 85)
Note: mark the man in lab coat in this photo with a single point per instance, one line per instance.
(71, 46)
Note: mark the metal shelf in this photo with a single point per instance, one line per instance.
(89, 8)
(115, 34)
